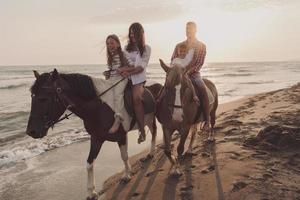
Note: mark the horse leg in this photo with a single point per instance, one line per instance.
(94, 151)
(184, 132)
(123, 146)
(153, 130)
(194, 131)
(168, 151)
(212, 123)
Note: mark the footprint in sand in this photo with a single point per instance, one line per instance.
(238, 185)
(208, 169)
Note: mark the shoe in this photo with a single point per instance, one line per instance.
(142, 137)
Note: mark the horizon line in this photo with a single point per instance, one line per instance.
(261, 61)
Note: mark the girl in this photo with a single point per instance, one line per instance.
(116, 60)
(139, 54)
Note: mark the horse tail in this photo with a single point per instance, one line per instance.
(214, 91)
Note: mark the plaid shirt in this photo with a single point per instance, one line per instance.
(199, 55)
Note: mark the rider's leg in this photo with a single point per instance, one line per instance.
(190, 85)
(204, 96)
(137, 92)
(118, 94)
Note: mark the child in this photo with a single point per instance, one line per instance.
(116, 59)
(184, 56)
(183, 60)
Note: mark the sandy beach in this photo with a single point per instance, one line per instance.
(255, 156)
(61, 174)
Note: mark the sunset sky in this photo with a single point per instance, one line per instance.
(37, 32)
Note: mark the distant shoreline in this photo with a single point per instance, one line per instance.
(151, 63)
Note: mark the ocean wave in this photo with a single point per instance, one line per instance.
(32, 148)
(237, 74)
(13, 86)
(5, 139)
(13, 115)
(257, 82)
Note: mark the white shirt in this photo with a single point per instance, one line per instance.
(139, 60)
(183, 62)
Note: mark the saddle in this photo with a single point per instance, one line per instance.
(148, 100)
(200, 113)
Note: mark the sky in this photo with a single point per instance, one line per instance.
(46, 32)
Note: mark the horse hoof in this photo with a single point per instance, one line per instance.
(125, 180)
(211, 140)
(189, 154)
(176, 173)
(94, 197)
(147, 158)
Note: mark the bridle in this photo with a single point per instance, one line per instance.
(57, 100)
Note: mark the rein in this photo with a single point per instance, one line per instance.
(175, 106)
(66, 116)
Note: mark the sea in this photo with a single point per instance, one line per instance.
(233, 81)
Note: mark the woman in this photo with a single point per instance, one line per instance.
(115, 60)
(138, 53)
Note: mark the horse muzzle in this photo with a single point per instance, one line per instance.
(34, 133)
(177, 115)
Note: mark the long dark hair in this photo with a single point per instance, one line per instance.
(138, 32)
(119, 51)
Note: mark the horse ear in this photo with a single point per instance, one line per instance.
(54, 74)
(36, 74)
(164, 66)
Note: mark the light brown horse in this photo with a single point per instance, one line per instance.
(174, 115)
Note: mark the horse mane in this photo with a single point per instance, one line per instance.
(81, 85)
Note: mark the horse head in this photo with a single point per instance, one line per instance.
(174, 89)
(46, 104)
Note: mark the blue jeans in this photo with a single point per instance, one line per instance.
(201, 92)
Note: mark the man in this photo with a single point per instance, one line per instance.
(193, 69)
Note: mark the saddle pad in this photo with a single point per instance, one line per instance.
(148, 101)
(101, 85)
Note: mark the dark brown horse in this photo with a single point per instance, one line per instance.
(54, 93)
(174, 115)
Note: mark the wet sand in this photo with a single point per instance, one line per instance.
(60, 174)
